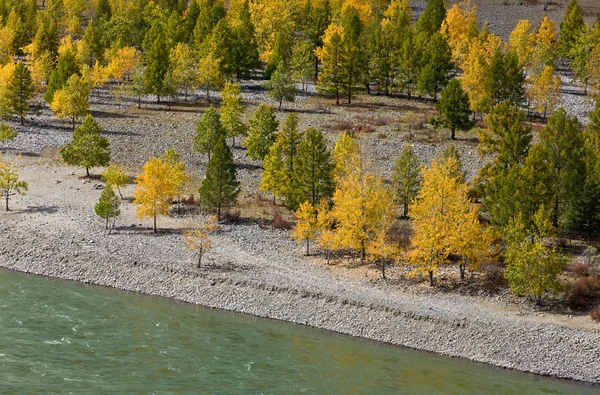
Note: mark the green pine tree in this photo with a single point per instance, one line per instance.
(532, 267)
(281, 86)
(562, 147)
(571, 27)
(430, 21)
(208, 132)
(20, 91)
(407, 177)
(6, 132)
(454, 108)
(157, 65)
(88, 148)
(436, 65)
(232, 110)
(107, 206)
(66, 66)
(220, 187)
(263, 127)
(507, 78)
(313, 173)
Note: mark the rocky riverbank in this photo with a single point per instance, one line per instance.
(53, 232)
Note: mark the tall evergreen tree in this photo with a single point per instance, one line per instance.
(314, 170)
(20, 90)
(436, 64)
(232, 110)
(88, 148)
(454, 108)
(406, 177)
(208, 132)
(281, 86)
(263, 127)
(571, 27)
(562, 146)
(220, 187)
(157, 65)
(431, 19)
(66, 66)
(507, 78)
(107, 206)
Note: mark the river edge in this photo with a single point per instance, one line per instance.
(368, 321)
(54, 232)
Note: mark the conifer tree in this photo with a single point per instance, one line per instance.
(157, 65)
(532, 266)
(107, 206)
(454, 108)
(9, 181)
(232, 110)
(220, 187)
(263, 127)
(281, 86)
(436, 64)
(289, 140)
(6, 132)
(209, 73)
(507, 78)
(183, 68)
(88, 148)
(570, 28)
(274, 172)
(406, 177)
(208, 132)
(66, 66)
(302, 63)
(430, 21)
(562, 147)
(313, 173)
(20, 91)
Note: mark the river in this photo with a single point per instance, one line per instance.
(60, 336)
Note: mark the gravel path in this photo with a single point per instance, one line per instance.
(53, 232)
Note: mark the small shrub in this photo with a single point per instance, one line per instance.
(189, 200)
(381, 135)
(493, 279)
(232, 216)
(582, 269)
(280, 223)
(373, 120)
(342, 126)
(596, 313)
(580, 292)
(364, 128)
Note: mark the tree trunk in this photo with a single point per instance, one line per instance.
(538, 300)
(430, 278)
(453, 136)
(461, 268)
(106, 224)
(154, 222)
(22, 119)
(207, 94)
(280, 103)
(6, 199)
(158, 98)
(383, 269)
(119, 190)
(307, 247)
(200, 256)
(219, 212)
(73, 123)
(139, 101)
(87, 172)
(405, 213)
(337, 96)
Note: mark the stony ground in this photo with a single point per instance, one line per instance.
(53, 231)
(259, 270)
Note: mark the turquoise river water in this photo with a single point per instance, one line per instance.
(59, 336)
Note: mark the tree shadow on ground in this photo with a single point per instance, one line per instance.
(38, 210)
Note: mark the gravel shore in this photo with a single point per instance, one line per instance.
(53, 232)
